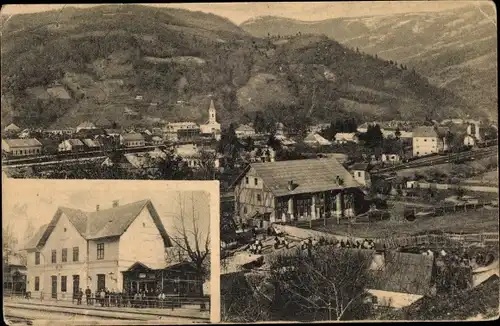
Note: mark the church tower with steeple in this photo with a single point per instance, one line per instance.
(212, 113)
(212, 126)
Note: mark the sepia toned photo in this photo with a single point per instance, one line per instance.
(353, 147)
(107, 251)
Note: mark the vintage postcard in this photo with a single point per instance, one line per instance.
(101, 252)
(355, 145)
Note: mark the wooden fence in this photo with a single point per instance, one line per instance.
(445, 239)
(300, 230)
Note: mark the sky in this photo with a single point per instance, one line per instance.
(310, 11)
(38, 200)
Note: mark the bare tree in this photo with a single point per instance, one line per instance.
(192, 242)
(9, 242)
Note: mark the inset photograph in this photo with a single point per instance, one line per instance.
(107, 251)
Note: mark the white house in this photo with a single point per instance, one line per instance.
(211, 126)
(12, 128)
(391, 158)
(79, 249)
(192, 155)
(244, 131)
(316, 139)
(132, 140)
(469, 140)
(345, 137)
(428, 140)
(75, 145)
(85, 125)
(361, 173)
(22, 147)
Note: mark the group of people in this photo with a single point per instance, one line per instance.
(137, 299)
(104, 297)
(256, 247)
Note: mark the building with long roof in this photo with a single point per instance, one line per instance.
(22, 147)
(284, 191)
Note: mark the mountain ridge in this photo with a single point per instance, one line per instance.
(164, 64)
(461, 36)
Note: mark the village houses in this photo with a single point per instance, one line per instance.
(71, 145)
(99, 249)
(429, 140)
(244, 131)
(298, 189)
(346, 137)
(22, 147)
(85, 126)
(132, 140)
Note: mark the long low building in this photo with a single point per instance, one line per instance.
(297, 189)
(22, 147)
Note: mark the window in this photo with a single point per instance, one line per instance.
(246, 180)
(281, 208)
(259, 198)
(37, 283)
(54, 256)
(64, 255)
(64, 279)
(65, 230)
(75, 253)
(244, 210)
(359, 174)
(433, 139)
(100, 251)
(255, 181)
(37, 258)
(425, 139)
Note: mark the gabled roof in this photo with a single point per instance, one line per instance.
(430, 131)
(86, 124)
(33, 242)
(244, 128)
(105, 223)
(361, 167)
(405, 273)
(316, 138)
(12, 127)
(91, 143)
(309, 175)
(132, 136)
(29, 142)
(74, 142)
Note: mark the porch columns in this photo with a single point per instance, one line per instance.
(290, 208)
(313, 208)
(338, 204)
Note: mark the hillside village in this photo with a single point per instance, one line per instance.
(351, 187)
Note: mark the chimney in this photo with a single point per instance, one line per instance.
(115, 203)
(290, 185)
(96, 208)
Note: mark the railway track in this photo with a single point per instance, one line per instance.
(36, 311)
(477, 154)
(64, 157)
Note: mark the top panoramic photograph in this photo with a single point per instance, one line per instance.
(356, 143)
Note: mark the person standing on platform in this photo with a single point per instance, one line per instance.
(88, 292)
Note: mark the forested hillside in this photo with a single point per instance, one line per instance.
(456, 49)
(61, 68)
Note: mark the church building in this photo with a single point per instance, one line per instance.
(212, 126)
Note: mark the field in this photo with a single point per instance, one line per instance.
(477, 221)
(488, 178)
